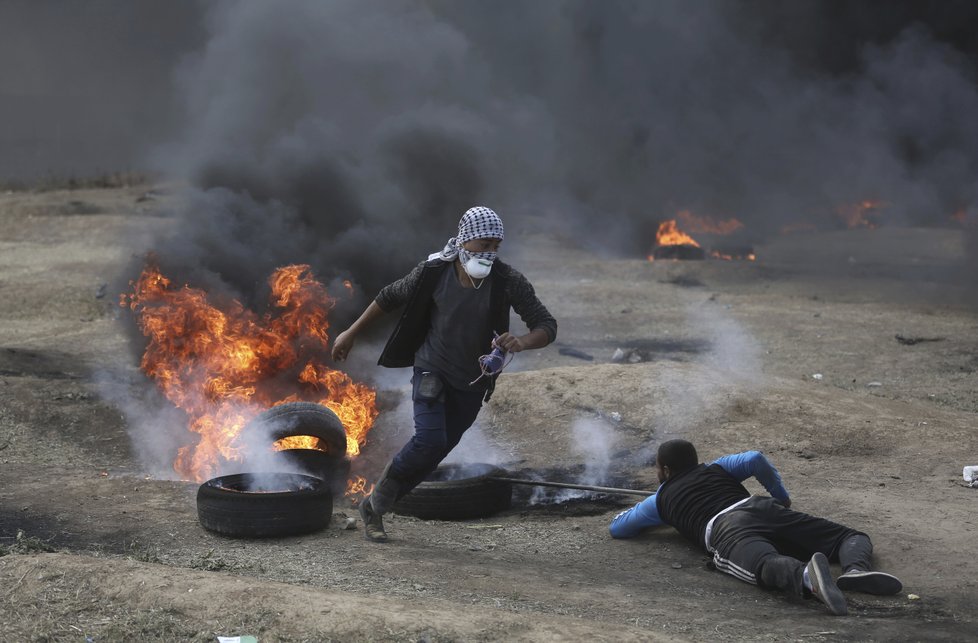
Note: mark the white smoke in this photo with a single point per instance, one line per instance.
(592, 443)
(476, 446)
(156, 428)
(158, 431)
(733, 352)
(731, 367)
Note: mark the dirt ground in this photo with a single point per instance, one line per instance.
(795, 354)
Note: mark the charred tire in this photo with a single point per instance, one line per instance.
(458, 492)
(334, 471)
(291, 504)
(304, 418)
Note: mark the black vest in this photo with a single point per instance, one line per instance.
(411, 329)
(687, 501)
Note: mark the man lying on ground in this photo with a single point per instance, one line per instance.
(749, 536)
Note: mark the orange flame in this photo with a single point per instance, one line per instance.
(356, 486)
(223, 364)
(669, 235)
(707, 224)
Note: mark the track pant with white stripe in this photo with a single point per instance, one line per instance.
(764, 543)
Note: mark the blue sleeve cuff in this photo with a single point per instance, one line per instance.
(632, 521)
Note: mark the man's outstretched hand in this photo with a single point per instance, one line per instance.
(342, 345)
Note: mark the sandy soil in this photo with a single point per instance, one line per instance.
(725, 354)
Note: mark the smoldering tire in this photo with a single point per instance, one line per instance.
(251, 505)
(458, 492)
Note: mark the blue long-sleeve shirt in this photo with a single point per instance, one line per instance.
(739, 465)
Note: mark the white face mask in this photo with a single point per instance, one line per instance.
(478, 265)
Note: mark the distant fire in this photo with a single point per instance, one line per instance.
(223, 364)
(670, 235)
(673, 243)
(864, 214)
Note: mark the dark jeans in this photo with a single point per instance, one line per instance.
(764, 543)
(438, 427)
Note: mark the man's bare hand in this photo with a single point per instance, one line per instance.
(342, 345)
(509, 343)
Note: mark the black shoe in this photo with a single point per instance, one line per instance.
(868, 582)
(373, 522)
(823, 588)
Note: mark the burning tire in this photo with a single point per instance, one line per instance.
(328, 461)
(304, 418)
(262, 505)
(458, 492)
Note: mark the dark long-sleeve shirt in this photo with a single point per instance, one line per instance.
(519, 291)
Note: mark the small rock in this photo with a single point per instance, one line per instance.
(913, 597)
(349, 523)
(615, 415)
(817, 376)
(100, 291)
(618, 355)
(874, 384)
(677, 565)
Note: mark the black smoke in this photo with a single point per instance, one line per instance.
(85, 87)
(352, 135)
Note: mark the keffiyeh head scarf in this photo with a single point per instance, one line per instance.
(477, 223)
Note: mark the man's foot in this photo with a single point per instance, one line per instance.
(869, 582)
(823, 588)
(373, 522)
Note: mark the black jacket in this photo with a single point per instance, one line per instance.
(510, 289)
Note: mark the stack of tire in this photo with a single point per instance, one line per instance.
(282, 504)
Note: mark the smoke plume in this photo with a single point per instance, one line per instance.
(352, 136)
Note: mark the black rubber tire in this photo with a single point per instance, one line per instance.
(295, 504)
(444, 495)
(304, 418)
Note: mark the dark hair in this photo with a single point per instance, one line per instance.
(678, 455)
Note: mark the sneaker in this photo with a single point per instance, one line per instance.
(373, 522)
(879, 583)
(823, 588)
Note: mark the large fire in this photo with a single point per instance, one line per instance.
(222, 364)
